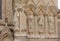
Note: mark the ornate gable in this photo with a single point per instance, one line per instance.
(6, 34)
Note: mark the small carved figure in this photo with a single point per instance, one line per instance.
(51, 21)
(16, 16)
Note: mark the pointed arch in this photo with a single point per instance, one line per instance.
(31, 7)
(6, 36)
(6, 33)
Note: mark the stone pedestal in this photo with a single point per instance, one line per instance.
(20, 38)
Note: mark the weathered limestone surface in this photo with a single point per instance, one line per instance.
(33, 20)
(37, 18)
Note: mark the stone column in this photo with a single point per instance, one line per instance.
(56, 25)
(46, 25)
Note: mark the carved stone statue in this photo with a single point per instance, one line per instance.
(31, 23)
(16, 21)
(40, 22)
(37, 20)
(51, 22)
(20, 21)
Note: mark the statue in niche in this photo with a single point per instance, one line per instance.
(23, 19)
(16, 16)
(40, 20)
(51, 20)
(30, 18)
(20, 16)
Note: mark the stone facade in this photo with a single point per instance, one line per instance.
(29, 20)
